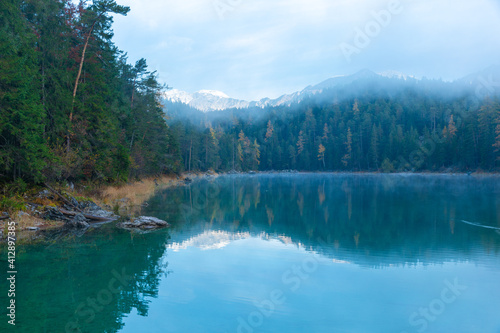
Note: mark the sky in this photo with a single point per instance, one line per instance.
(251, 49)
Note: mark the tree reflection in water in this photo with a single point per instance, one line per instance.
(89, 283)
(373, 219)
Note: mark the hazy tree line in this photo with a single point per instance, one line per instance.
(409, 131)
(71, 106)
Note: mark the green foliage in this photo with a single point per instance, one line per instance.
(110, 128)
(413, 130)
(72, 108)
(11, 204)
(23, 151)
(387, 166)
(12, 198)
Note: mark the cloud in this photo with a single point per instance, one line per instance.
(266, 48)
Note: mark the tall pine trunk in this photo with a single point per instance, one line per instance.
(68, 140)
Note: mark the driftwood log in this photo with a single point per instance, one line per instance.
(62, 197)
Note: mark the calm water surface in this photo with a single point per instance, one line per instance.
(281, 253)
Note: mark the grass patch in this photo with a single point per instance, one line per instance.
(12, 204)
(129, 198)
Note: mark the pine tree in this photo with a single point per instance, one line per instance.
(22, 116)
(270, 130)
(240, 153)
(300, 143)
(244, 145)
(241, 136)
(497, 138)
(94, 16)
(63, 80)
(348, 148)
(321, 154)
(452, 129)
(326, 132)
(256, 154)
(374, 147)
(292, 156)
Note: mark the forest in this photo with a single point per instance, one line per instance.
(73, 109)
(406, 131)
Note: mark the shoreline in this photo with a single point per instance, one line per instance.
(127, 200)
(363, 173)
(124, 201)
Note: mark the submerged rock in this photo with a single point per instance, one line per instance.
(144, 222)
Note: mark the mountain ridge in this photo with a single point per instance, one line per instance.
(484, 83)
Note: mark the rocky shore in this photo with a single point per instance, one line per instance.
(74, 215)
(59, 209)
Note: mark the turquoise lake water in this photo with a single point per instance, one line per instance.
(280, 253)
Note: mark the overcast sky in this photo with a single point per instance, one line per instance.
(252, 49)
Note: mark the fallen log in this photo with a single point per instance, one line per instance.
(62, 197)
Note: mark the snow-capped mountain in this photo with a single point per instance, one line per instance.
(178, 96)
(396, 75)
(485, 82)
(205, 100)
(212, 100)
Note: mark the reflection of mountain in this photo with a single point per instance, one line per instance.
(213, 240)
(370, 220)
(208, 240)
(218, 239)
(82, 285)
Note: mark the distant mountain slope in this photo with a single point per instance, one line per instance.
(485, 82)
(482, 84)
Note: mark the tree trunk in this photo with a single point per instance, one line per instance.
(132, 141)
(77, 80)
(190, 147)
(133, 90)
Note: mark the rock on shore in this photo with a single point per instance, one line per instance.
(78, 221)
(144, 222)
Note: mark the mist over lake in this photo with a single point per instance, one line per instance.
(284, 253)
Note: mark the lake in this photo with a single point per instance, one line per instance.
(280, 253)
